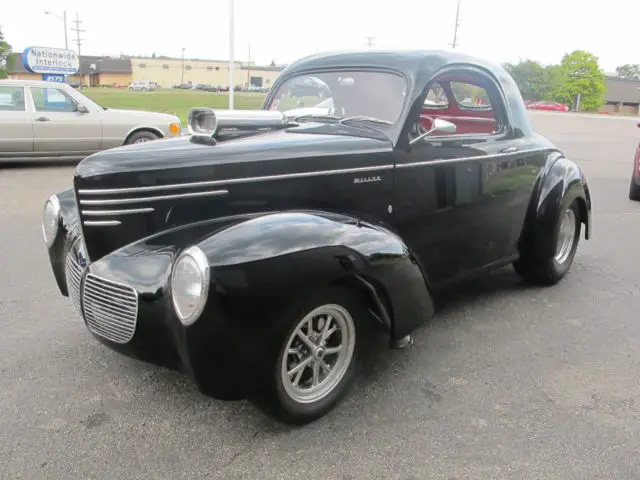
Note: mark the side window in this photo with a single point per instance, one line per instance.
(467, 99)
(51, 99)
(12, 99)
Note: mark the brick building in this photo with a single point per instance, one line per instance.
(621, 96)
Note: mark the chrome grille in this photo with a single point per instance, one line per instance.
(110, 308)
(73, 274)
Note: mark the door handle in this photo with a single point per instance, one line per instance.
(42, 119)
(509, 150)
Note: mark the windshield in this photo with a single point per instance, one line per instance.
(343, 94)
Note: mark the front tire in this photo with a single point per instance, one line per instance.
(318, 356)
(634, 190)
(553, 268)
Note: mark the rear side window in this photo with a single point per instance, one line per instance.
(12, 99)
(470, 96)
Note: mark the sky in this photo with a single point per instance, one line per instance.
(279, 30)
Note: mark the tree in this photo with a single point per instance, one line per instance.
(530, 77)
(583, 76)
(628, 71)
(555, 79)
(5, 53)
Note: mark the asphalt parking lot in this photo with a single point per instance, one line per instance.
(507, 381)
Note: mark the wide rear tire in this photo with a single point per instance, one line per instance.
(551, 269)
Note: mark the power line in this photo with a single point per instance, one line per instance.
(369, 41)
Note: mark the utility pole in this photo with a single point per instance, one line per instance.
(231, 53)
(78, 31)
(455, 29)
(369, 41)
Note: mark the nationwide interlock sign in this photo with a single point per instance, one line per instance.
(50, 61)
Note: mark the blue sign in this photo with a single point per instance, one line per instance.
(50, 60)
(53, 77)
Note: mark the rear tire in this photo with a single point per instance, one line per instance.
(634, 190)
(553, 268)
(327, 357)
(140, 137)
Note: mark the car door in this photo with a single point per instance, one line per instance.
(60, 127)
(16, 130)
(457, 203)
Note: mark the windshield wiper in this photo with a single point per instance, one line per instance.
(332, 118)
(367, 119)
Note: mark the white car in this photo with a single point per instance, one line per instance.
(52, 121)
(142, 85)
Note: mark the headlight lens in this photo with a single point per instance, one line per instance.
(190, 284)
(50, 220)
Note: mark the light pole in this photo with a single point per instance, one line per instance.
(182, 81)
(64, 20)
(231, 52)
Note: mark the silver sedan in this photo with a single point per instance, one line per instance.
(48, 121)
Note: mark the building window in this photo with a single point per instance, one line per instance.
(217, 68)
(143, 65)
(188, 67)
(267, 81)
(209, 68)
(165, 66)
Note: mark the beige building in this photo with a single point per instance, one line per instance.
(105, 71)
(173, 71)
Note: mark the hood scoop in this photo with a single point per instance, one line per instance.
(206, 125)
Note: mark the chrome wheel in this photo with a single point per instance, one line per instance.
(142, 140)
(566, 236)
(318, 353)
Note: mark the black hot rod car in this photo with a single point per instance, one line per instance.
(259, 252)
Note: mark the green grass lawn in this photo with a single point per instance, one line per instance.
(174, 101)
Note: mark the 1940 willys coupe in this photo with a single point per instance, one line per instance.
(259, 252)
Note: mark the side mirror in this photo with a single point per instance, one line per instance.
(439, 125)
(82, 109)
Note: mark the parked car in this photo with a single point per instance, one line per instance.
(634, 187)
(49, 120)
(142, 86)
(260, 253)
(550, 106)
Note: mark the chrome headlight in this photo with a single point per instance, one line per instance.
(190, 284)
(51, 220)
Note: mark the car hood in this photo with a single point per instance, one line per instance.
(261, 154)
(140, 115)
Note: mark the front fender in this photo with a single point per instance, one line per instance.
(259, 266)
(561, 183)
(68, 231)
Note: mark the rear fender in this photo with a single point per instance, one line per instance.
(259, 266)
(561, 183)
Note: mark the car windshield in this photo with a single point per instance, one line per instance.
(358, 95)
